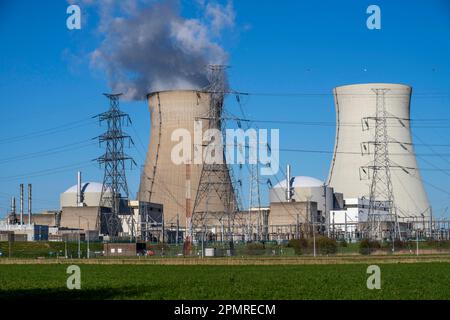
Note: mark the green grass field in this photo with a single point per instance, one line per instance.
(345, 281)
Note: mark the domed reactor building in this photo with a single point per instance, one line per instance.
(370, 117)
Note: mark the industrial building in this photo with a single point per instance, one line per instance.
(301, 202)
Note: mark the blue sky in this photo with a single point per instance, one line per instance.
(275, 47)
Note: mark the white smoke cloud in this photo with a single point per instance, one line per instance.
(148, 46)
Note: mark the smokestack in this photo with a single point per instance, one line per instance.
(29, 203)
(13, 205)
(288, 184)
(79, 195)
(21, 204)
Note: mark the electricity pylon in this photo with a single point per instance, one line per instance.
(115, 187)
(381, 191)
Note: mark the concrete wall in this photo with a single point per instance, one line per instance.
(50, 219)
(286, 213)
(70, 218)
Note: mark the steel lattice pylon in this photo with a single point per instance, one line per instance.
(381, 191)
(115, 186)
(215, 177)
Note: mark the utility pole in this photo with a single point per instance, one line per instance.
(203, 242)
(417, 243)
(9, 245)
(431, 223)
(327, 214)
(65, 248)
(79, 239)
(308, 205)
(88, 236)
(178, 228)
(29, 204)
(21, 204)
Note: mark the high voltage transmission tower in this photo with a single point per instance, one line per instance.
(215, 177)
(115, 188)
(381, 195)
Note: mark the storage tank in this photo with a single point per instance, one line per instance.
(354, 145)
(162, 180)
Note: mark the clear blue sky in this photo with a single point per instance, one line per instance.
(276, 47)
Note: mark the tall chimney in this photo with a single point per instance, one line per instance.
(21, 204)
(13, 205)
(79, 195)
(29, 203)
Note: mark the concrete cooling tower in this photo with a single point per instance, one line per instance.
(162, 180)
(350, 172)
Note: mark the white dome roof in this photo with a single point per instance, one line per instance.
(301, 182)
(87, 187)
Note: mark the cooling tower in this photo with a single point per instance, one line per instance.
(350, 171)
(162, 180)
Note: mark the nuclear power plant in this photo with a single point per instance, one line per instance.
(374, 188)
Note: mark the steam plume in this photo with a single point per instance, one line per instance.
(148, 46)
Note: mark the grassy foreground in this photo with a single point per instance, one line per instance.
(345, 281)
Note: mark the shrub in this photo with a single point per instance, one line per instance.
(343, 243)
(399, 244)
(299, 245)
(367, 247)
(326, 245)
(255, 248)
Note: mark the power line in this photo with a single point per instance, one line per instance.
(333, 124)
(50, 131)
(45, 172)
(48, 152)
(331, 94)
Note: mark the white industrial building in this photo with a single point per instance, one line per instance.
(347, 222)
(25, 232)
(299, 206)
(304, 189)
